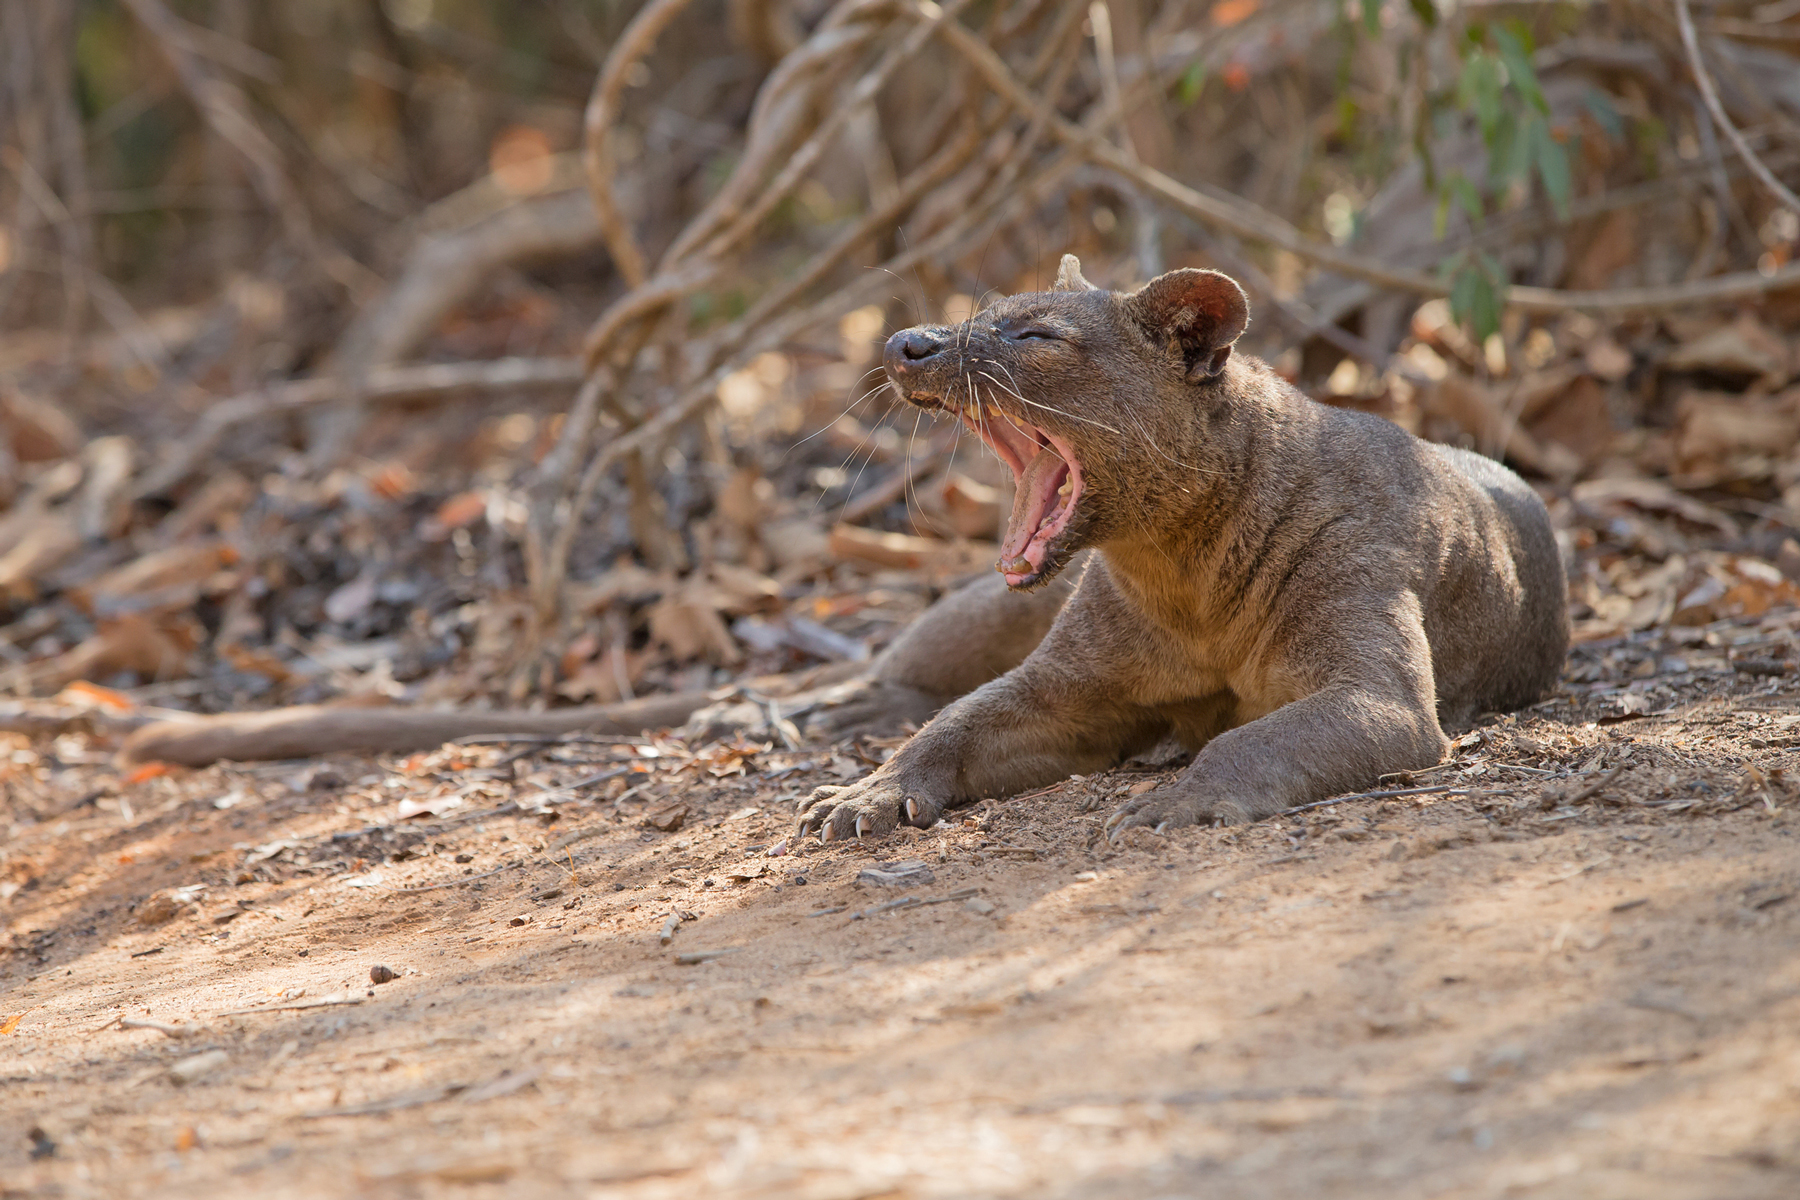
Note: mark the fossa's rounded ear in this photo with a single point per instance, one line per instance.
(1068, 277)
(1203, 312)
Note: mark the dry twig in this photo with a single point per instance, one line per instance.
(1709, 93)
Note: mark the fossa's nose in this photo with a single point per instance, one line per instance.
(912, 346)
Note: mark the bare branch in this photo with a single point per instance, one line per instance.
(1690, 41)
(1240, 217)
(227, 111)
(602, 110)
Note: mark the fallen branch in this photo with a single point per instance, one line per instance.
(445, 268)
(41, 719)
(323, 1002)
(1595, 788)
(308, 730)
(1442, 790)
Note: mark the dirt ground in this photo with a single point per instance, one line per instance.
(1573, 973)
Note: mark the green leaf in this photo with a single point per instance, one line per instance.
(1371, 15)
(1466, 195)
(1515, 51)
(1479, 89)
(1191, 84)
(1462, 292)
(1475, 291)
(1552, 166)
(1426, 11)
(1509, 154)
(1605, 114)
(1486, 317)
(1422, 146)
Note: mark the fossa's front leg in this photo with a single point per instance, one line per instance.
(1030, 727)
(1064, 710)
(1372, 710)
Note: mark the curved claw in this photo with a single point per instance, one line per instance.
(869, 808)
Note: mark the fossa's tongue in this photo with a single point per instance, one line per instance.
(1046, 485)
(1042, 490)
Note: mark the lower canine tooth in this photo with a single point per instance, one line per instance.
(1017, 566)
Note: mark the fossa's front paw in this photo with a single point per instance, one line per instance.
(1171, 808)
(867, 808)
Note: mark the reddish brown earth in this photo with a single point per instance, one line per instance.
(1580, 978)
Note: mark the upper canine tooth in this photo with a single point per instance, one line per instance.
(1067, 487)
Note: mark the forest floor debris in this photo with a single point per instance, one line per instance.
(1567, 974)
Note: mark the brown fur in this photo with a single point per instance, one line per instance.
(1321, 579)
(1303, 595)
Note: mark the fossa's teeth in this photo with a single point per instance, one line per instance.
(1017, 566)
(1067, 487)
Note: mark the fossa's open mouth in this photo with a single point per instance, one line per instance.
(1047, 486)
(1047, 481)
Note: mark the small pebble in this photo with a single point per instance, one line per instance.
(381, 974)
(159, 909)
(198, 1066)
(979, 906)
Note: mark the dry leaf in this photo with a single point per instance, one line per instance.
(255, 662)
(1578, 420)
(37, 429)
(972, 509)
(436, 806)
(134, 642)
(458, 512)
(183, 567)
(393, 481)
(1482, 412)
(47, 541)
(1720, 435)
(744, 500)
(148, 771)
(83, 693)
(668, 819)
(1743, 347)
(690, 628)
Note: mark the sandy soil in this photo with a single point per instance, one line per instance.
(1576, 974)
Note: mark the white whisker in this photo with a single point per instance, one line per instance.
(1049, 408)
